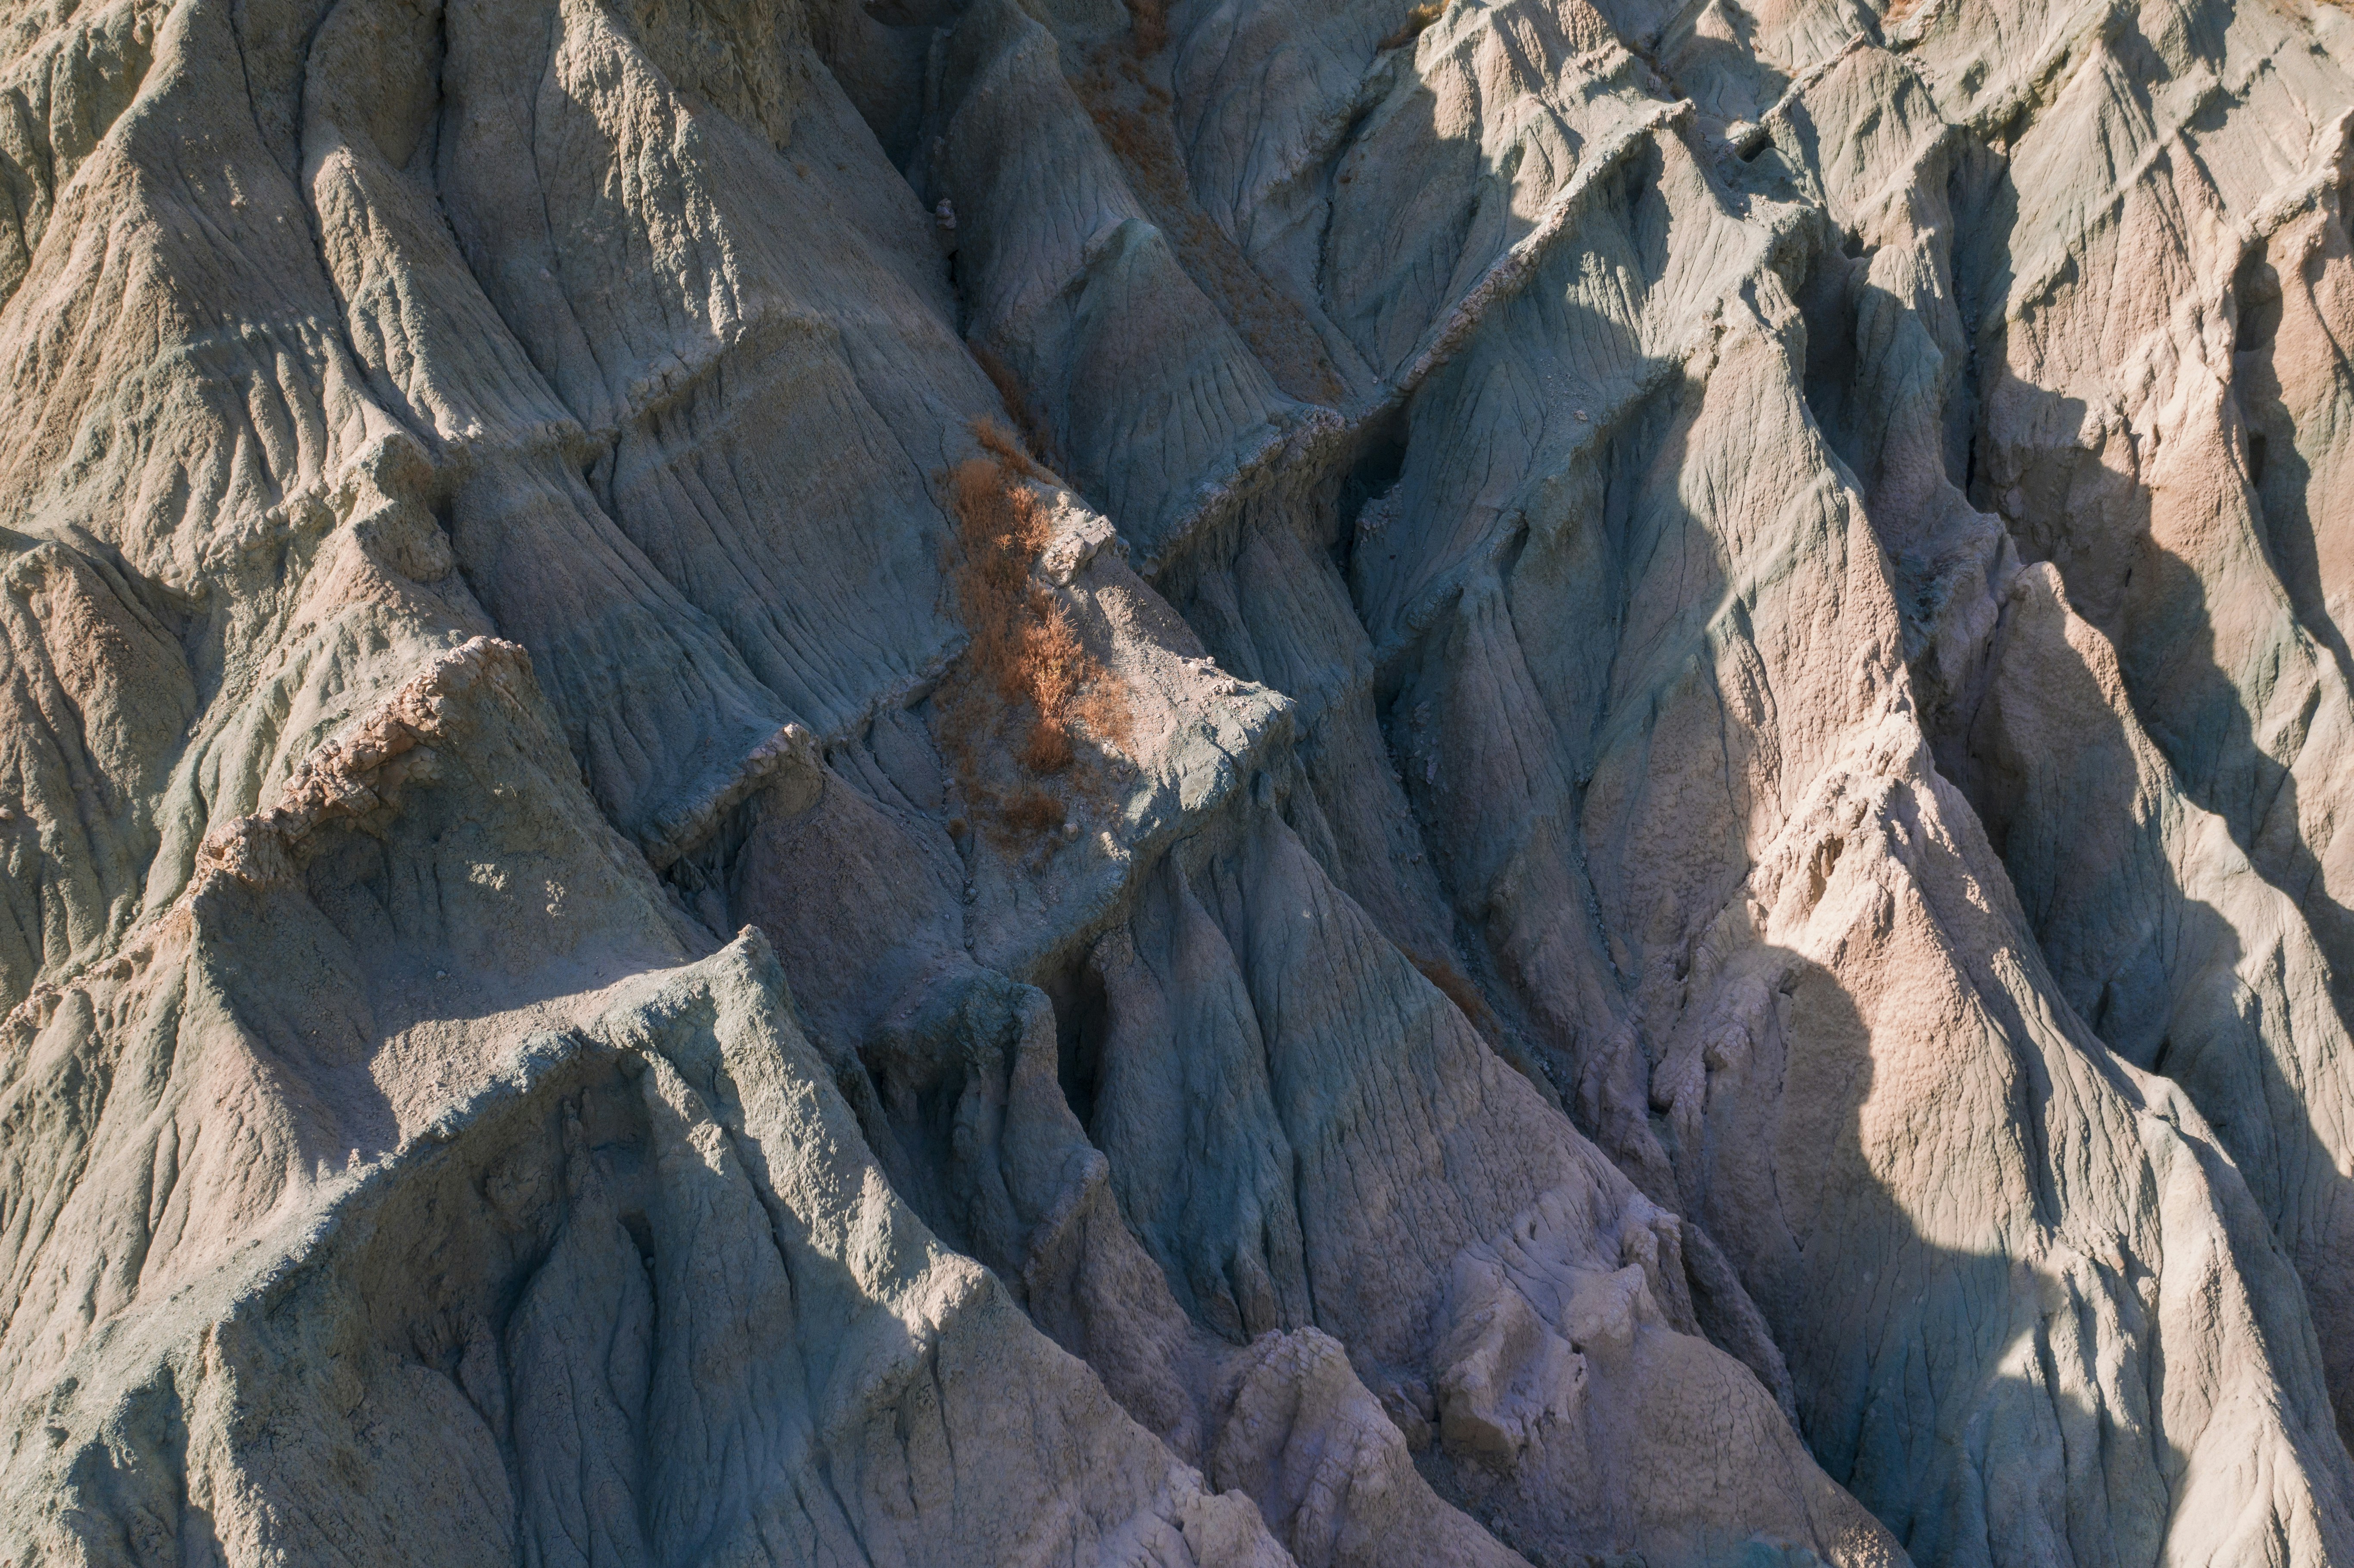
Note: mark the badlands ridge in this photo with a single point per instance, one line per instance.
(1216, 782)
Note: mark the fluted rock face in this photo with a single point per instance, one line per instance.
(1553, 781)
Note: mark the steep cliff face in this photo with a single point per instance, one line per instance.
(1195, 782)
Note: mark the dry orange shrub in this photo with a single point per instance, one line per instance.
(1024, 652)
(1148, 26)
(999, 443)
(1033, 812)
(1035, 434)
(1418, 18)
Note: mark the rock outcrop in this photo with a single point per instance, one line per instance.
(1177, 782)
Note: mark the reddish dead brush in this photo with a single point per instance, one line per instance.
(1148, 26)
(1034, 433)
(1033, 812)
(1012, 460)
(1026, 671)
(1420, 18)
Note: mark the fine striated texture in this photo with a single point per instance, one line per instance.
(1177, 783)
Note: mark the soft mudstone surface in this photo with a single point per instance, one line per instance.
(985, 782)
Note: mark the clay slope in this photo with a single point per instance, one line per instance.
(1549, 782)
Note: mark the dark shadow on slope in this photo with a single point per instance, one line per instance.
(2051, 772)
(1946, 1387)
(1862, 1418)
(2277, 472)
(1496, 640)
(2150, 970)
(2155, 609)
(2280, 480)
(2090, 512)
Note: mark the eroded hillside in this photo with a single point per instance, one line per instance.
(1563, 781)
